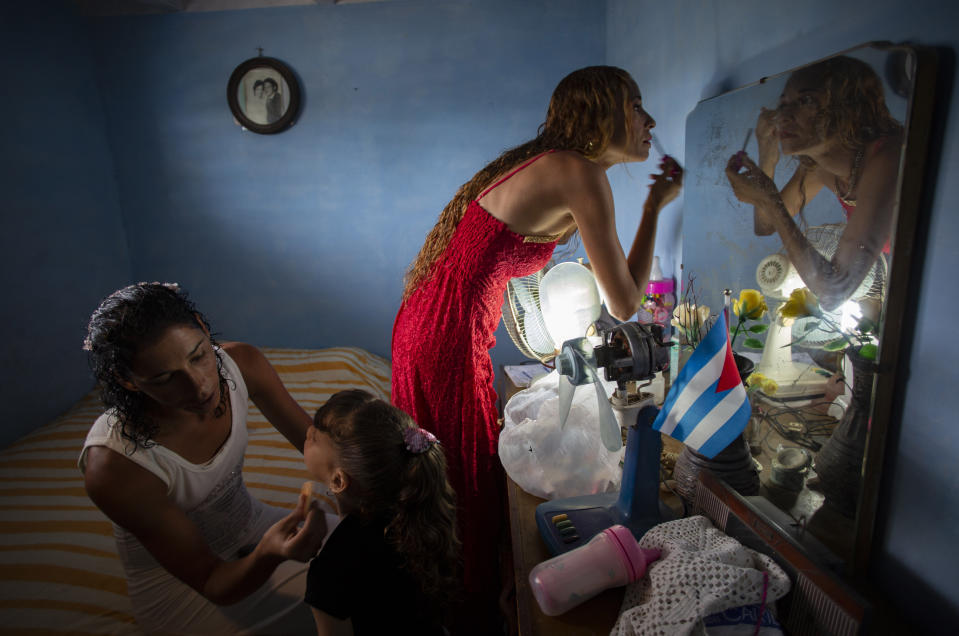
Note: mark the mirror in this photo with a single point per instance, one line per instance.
(850, 134)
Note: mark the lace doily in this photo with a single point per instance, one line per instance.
(702, 571)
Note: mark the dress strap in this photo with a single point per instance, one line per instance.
(521, 166)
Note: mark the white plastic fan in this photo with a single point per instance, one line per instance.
(556, 306)
(777, 278)
(576, 365)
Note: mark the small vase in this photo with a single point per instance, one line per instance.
(838, 464)
(734, 464)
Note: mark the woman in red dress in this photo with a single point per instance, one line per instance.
(502, 224)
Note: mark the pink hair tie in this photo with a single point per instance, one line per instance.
(418, 440)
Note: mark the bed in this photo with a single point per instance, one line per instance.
(59, 570)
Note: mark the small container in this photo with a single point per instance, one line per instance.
(610, 559)
(659, 300)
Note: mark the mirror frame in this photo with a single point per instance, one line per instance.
(906, 259)
(917, 124)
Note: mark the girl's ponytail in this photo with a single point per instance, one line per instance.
(423, 528)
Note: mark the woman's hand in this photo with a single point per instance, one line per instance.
(666, 185)
(767, 140)
(290, 540)
(750, 184)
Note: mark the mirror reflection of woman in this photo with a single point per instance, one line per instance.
(504, 223)
(832, 116)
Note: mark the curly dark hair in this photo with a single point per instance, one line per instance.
(126, 321)
(410, 489)
(582, 117)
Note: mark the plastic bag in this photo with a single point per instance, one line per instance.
(551, 463)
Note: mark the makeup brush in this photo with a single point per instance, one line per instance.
(657, 145)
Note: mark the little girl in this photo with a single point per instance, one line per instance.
(392, 563)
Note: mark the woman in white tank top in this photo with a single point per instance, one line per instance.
(164, 463)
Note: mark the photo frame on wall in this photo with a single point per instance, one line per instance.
(263, 95)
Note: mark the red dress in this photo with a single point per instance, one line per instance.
(443, 376)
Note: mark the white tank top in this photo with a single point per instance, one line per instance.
(215, 498)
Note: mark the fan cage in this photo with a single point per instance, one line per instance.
(523, 318)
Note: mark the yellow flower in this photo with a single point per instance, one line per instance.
(801, 303)
(765, 384)
(750, 306)
(690, 317)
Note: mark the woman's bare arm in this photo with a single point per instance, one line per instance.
(803, 186)
(590, 200)
(268, 393)
(832, 280)
(136, 500)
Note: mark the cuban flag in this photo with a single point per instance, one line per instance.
(706, 408)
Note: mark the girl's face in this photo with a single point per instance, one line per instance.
(320, 455)
(178, 371)
(798, 117)
(635, 145)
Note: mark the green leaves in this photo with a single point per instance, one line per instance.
(836, 345)
(758, 328)
(753, 343)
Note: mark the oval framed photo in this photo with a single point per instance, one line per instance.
(263, 95)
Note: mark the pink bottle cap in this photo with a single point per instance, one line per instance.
(660, 287)
(637, 559)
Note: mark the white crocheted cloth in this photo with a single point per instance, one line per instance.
(701, 571)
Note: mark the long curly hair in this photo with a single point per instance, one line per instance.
(409, 489)
(582, 117)
(853, 110)
(126, 321)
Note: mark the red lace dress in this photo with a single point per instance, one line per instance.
(443, 375)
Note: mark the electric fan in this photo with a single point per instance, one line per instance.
(547, 315)
(535, 308)
(523, 317)
(777, 278)
(629, 353)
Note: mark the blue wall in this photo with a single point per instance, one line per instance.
(62, 244)
(301, 239)
(694, 49)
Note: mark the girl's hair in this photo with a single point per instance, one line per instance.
(582, 116)
(126, 321)
(854, 108)
(409, 490)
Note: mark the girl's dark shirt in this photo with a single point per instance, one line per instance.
(358, 575)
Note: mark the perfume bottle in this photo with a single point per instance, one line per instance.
(659, 300)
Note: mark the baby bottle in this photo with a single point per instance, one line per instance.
(659, 300)
(610, 559)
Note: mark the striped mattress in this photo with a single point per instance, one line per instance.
(59, 570)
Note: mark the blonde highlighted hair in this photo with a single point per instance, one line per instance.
(583, 114)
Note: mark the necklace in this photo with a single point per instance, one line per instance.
(849, 197)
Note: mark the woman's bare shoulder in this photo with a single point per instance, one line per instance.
(570, 170)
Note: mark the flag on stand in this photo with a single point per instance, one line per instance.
(706, 408)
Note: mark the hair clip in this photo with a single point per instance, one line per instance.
(418, 440)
